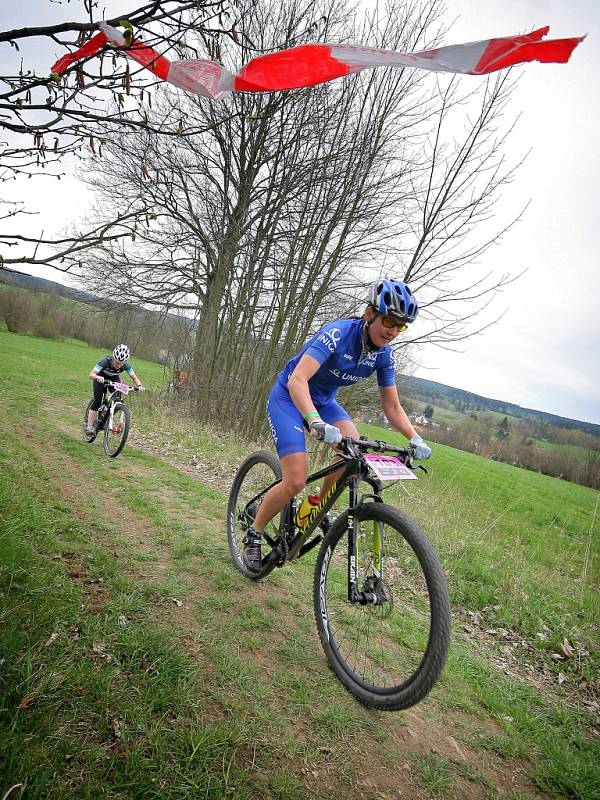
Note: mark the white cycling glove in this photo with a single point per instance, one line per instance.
(325, 432)
(423, 451)
(99, 379)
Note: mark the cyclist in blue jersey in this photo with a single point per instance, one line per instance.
(109, 369)
(304, 395)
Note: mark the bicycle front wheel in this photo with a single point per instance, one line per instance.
(256, 473)
(388, 653)
(115, 433)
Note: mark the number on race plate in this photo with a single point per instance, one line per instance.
(389, 468)
(122, 387)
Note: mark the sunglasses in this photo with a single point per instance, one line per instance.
(392, 322)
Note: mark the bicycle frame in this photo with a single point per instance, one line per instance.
(380, 597)
(110, 401)
(115, 396)
(355, 470)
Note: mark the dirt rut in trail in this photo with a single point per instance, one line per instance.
(407, 734)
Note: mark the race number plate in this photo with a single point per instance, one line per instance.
(389, 468)
(122, 387)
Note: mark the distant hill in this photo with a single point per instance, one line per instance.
(430, 391)
(415, 388)
(23, 281)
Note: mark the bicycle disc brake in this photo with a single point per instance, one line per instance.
(378, 594)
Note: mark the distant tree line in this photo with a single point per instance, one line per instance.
(570, 454)
(149, 335)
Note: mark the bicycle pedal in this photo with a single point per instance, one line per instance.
(309, 545)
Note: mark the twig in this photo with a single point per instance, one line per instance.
(16, 786)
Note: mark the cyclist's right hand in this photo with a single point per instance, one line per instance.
(422, 450)
(99, 378)
(324, 432)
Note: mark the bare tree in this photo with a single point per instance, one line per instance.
(451, 208)
(268, 217)
(281, 212)
(48, 118)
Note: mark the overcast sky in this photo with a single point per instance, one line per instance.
(544, 353)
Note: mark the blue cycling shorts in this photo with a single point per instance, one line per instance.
(286, 423)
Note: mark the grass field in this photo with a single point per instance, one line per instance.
(135, 662)
(569, 449)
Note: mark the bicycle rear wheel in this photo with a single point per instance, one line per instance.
(115, 433)
(388, 654)
(257, 472)
(89, 437)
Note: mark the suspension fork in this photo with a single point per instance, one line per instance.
(354, 596)
(378, 548)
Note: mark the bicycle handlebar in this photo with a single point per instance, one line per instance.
(364, 444)
(112, 384)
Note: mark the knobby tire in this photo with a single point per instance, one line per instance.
(242, 490)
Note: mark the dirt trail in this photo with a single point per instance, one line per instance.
(410, 732)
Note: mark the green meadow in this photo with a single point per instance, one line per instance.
(136, 662)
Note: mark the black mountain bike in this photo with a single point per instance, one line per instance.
(113, 418)
(380, 596)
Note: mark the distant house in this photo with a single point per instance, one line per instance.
(421, 419)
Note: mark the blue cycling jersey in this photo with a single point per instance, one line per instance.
(338, 347)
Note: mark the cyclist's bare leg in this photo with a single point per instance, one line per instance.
(348, 428)
(294, 471)
(92, 417)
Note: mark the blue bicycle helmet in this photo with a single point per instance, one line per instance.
(394, 298)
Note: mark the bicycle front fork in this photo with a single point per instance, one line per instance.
(371, 592)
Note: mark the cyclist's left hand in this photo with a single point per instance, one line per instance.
(326, 433)
(422, 450)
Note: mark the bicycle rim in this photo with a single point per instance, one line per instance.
(256, 473)
(115, 433)
(389, 654)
